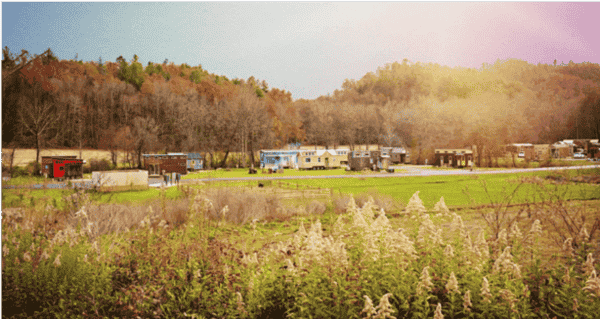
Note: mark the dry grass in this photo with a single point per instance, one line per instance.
(389, 204)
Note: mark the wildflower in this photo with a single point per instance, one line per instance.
(509, 297)
(45, 255)
(568, 247)
(438, 312)
(17, 262)
(502, 239)
(441, 207)
(369, 310)
(415, 205)
(290, 265)
(425, 284)
(162, 224)
(575, 305)
(467, 301)
(57, 261)
(449, 251)
(505, 264)
(85, 258)
(32, 247)
(5, 250)
(567, 278)
(588, 266)
(26, 256)
(593, 284)
(81, 213)
(437, 237)
(224, 211)
(452, 285)
(515, 234)
(485, 290)
(384, 309)
(583, 234)
(536, 228)
(240, 303)
(482, 246)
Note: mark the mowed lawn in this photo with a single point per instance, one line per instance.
(454, 189)
(241, 172)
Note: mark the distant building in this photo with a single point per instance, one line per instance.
(398, 155)
(279, 158)
(156, 164)
(373, 160)
(62, 167)
(541, 152)
(322, 159)
(194, 161)
(523, 150)
(453, 157)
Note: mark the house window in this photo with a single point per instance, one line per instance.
(308, 159)
(62, 168)
(319, 160)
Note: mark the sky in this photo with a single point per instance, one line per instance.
(306, 48)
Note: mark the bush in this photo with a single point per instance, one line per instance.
(96, 165)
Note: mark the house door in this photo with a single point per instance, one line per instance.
(327, 162)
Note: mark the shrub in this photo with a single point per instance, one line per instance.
(96, 165)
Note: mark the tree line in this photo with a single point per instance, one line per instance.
(163, 107)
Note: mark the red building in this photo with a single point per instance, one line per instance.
(62, 167)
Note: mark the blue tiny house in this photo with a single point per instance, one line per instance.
(194, 161)
(279, 159)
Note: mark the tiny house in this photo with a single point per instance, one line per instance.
(194, 161)
(279, 158)
(322, 159)
(373, 160)
(157, 164)
(453, 157)
(398, 155)
(62, 167)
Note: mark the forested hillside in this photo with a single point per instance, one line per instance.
(124, 105)
(427, 106)
(49, 103)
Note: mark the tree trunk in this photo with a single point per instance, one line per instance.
(12, 159)
(252, 153)
(37, 153)
(224, 159)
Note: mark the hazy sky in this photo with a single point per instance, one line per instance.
(307, 48)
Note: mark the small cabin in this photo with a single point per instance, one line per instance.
(278, 159)
(194, 161)
(373, 160)
(62, 167)
(157, 164)
(322, 159)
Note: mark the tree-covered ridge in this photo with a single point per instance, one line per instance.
(124, 105)
(427, 106)
(167, 107)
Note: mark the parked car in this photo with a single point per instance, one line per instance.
(578, 155)
(522, 154)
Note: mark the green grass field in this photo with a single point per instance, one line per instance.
(453, 188)
(241, 172)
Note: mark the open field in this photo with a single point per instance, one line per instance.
(458, 190)
(243, 252)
